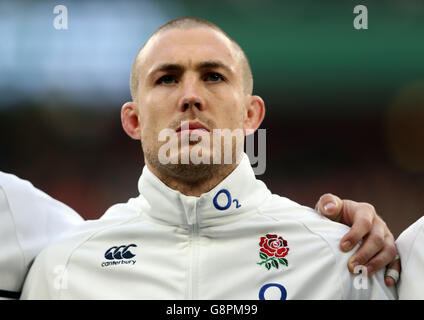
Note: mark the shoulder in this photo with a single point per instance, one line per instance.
(115, 220)
(283, 209)
(11, 184)
(117, 217)
(409, 245)
(26, 200)
(319, 234)
(315, 231)
(29, 220)
(54, 260)
(23, 204)
(121, 210)
(408, 238)
(14, 186)
(408, 241)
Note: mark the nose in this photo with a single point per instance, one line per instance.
(191, 97)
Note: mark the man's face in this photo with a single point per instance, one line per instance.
(191, 75)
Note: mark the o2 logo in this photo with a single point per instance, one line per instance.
(264, 288)
(225, 194)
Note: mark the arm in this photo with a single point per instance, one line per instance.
(29, 221)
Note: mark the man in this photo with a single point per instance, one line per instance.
(199, 230)
(410, 244)
(29, 221)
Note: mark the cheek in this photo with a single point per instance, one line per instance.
(152, 123)
(156, 111)
(229, 102)
(231, 113)
(150, 129)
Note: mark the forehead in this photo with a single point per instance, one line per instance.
(188, 46)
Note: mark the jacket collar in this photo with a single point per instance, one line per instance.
(240, 192)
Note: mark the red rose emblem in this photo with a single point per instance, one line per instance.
(274, 246)
(273, 249)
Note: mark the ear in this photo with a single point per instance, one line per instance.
(255, 113)
(130, 120)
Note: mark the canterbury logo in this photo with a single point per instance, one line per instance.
(120, 252)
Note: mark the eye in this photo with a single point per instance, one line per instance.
(167, 79)
(213, 77)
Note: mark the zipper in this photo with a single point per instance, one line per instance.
(194, 263)
(193, 266)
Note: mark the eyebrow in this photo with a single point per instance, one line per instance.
(212, 64)
(168, 67)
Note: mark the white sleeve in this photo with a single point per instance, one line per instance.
(29, 221)
(361, 287)
(410, 246)
(354, 286)
(45, 279)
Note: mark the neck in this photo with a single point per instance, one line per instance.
(192, 180)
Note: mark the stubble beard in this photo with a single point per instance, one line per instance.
(203, 176)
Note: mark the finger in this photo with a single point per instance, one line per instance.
(383, 258)
(372, 244)
(362, 225)
(395, 265)
(330, 206)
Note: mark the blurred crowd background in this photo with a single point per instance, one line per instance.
(345, 107)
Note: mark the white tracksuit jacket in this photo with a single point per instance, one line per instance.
(237, 241)
(410, 246)
(29, 221)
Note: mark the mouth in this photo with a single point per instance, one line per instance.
(192, 127)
